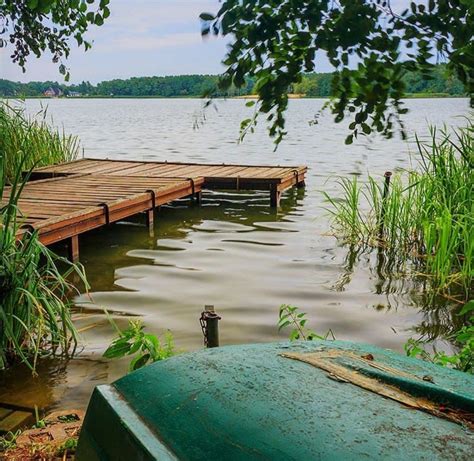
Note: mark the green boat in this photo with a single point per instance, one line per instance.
(320, 400)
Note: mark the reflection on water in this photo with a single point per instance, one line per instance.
(393, 279)
(234, 251)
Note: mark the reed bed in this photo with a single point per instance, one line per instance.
(424, 225)
(35, 285)
(31, 140)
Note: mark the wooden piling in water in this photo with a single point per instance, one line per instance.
(73, 248)
(386, 187)
(150, 221)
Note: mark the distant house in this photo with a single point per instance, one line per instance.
(53, 93)
(74, 94)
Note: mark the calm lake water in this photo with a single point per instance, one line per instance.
(233, 252)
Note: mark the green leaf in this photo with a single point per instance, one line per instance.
(366, 128)
(45, 5)
(245, 123)
(294, 335)
(139, 362)
(468, 307)
(207, 16)
(117, 349)
(135, 347)
(98, 20)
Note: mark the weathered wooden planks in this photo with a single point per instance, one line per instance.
(223, 176)
(63, 201)
(63, 208)
(216, 176)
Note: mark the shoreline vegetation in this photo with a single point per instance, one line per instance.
(419, 228)
(30, 142)
(312, 85)
(422, 219)
(36, 285)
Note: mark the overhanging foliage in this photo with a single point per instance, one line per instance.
(34, 26)
(368, 43)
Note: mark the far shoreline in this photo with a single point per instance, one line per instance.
(244, 97)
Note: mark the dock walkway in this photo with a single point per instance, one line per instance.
(63, 201)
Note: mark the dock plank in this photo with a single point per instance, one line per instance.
(179, 168)
(65, 200)
(63, 207)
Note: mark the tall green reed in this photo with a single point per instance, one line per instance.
(35, 287)
(31, 140)
(427, 218)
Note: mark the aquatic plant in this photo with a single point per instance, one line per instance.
(31, 140)
(289, 316)
(424, 222)
(146, 347)
(463, 359)
(35, 317)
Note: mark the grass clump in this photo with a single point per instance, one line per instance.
(424, 223)
(32, 141)
(35, 318)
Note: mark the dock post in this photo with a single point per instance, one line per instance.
(301, 184)
(210, 326)
(386, 187)
(73, 249)
(275, 196)
(150, 222)
(198, 197)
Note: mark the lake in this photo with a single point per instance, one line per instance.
(234, 251)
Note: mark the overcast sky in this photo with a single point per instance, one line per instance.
(140, 38)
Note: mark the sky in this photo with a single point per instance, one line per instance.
(140, 38)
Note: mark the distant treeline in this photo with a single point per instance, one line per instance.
(166, 87)
(312, 85)
(439, 83)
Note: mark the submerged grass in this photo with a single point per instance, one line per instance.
(35, 317)
(425, 223)
(31, 141)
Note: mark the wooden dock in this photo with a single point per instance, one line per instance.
(63, 201)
